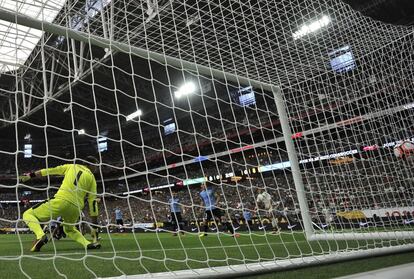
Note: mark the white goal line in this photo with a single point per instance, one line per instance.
(269, 266)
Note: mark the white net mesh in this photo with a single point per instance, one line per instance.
(106, 78)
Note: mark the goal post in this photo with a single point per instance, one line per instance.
(294, 164)
(311, 234)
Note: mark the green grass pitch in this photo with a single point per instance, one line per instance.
(151, 252)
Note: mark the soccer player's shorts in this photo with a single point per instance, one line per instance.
(53, 208)
(213, 214)
(119, 222)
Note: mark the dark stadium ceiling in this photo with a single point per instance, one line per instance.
(399, 12)
(187, 26)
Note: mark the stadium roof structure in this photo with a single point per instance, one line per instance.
(16, 41)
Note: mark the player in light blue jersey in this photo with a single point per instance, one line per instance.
(118, 219)
(247, 216)
(176, 210)
(212, 212)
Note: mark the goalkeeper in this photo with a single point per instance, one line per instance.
(68, 202)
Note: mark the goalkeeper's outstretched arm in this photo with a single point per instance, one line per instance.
(59, 170)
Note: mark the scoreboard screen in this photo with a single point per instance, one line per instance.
(169, 126)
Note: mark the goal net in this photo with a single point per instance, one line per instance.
(233, 137)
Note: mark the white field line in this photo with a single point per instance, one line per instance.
(48, 256)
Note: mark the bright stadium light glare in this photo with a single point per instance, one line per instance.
(24, 38)
(186, 89)
(311, 27)
(134, 115)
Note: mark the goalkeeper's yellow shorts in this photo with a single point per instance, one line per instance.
(53, 208)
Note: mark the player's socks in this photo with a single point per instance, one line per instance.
(38, 243)
(230, 228)
(276, 230)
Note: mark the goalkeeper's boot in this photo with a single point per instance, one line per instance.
(202, 235)
(93, 245)
(38, 243)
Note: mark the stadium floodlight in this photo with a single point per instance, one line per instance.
(311, 27)
(186, 89)
(81, 132)
(133, 115)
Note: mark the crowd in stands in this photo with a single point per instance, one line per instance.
(153, 206)
(353, 186)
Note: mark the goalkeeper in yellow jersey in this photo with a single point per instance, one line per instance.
(68, 202)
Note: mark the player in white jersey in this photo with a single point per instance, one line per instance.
(265, 203)
(264, 199)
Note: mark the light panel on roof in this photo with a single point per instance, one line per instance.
(311, 27)
(134, 115)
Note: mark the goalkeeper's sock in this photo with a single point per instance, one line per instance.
(230, 227)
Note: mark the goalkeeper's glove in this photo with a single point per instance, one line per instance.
(27, 176)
